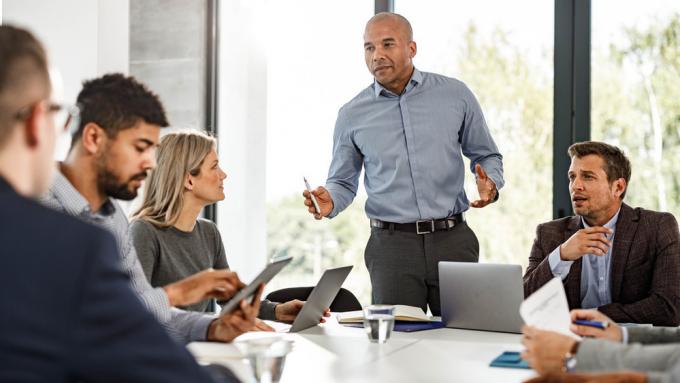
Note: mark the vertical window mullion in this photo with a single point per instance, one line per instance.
(572, 92)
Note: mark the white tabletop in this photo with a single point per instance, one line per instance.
(335, 353)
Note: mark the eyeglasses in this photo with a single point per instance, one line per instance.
(66, 117)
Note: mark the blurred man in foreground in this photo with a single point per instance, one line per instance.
(68, 312)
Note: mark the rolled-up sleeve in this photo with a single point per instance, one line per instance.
(477, 143)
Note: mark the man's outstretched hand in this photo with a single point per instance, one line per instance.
(485, 186)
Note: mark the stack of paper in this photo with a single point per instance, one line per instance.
(401, 313)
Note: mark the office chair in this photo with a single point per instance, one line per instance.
(344, 301)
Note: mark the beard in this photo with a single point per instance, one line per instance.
(107, 181)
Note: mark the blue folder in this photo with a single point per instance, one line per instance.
(406, 326)
(510, 359)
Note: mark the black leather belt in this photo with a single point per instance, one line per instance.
(424, 226)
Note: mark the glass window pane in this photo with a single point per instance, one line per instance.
(315, 64)
(636, 94)
(505, 55)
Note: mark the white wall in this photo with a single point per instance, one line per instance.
(113, 36)
(242, 141)
(83, 38)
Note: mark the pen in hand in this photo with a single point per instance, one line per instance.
(309, 189)
(592, 323)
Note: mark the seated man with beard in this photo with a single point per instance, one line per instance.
(112, 150)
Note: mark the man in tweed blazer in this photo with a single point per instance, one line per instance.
(622, 261)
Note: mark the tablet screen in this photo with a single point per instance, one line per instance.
(265, 276)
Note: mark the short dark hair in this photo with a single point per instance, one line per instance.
(117, 102)
(616, 164)
(23, 65)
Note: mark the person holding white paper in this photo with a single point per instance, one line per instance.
(635, 354)
(547, 309)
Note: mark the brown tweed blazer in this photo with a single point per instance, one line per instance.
(645, 274)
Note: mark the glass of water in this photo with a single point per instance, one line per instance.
(379, 322)
(266, 357)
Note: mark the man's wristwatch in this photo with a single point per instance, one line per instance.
(570, 359)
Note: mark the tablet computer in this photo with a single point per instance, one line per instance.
(265, 276)
(321, 297)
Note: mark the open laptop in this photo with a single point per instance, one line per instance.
(320, 298)
(481, 296)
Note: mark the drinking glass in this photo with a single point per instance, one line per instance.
(379, 322)
(266, 357)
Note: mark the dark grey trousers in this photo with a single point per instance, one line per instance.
(404, 266)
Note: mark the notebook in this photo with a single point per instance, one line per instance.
(401, 313)
(510, 359)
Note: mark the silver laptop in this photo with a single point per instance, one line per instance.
(481, 296)
(320, 298)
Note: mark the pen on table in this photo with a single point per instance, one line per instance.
(592, 323)
(309, 189)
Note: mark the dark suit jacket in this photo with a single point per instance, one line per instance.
(66, 310)
(645, 266)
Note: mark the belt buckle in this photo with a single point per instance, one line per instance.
(431, 230)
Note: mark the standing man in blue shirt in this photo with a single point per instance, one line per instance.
(409, 130)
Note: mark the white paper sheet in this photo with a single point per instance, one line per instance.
(547, 309)
(279, 326)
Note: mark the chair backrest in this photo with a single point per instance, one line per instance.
(344, 301)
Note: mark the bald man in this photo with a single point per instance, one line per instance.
(409, 131)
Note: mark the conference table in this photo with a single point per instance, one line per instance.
(333, 353)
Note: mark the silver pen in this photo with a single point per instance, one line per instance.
(309, 189)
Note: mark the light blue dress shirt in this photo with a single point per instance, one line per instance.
(411, 147)
(595, 270)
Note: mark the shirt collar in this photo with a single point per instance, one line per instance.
(611, 224)
(416, 78)
(73, 202)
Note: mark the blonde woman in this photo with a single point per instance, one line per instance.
(171, 241)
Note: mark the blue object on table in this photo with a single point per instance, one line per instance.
(510, 359)
(592, 323)
(406, 326)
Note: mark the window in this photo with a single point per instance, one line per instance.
(505, 55)
(636, 94)
(285, 70)
(315, 65)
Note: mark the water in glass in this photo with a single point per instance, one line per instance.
(379, 327)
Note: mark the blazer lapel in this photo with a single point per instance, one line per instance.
(572, 284)
(626, 226)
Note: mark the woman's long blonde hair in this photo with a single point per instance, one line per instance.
(179, 154)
